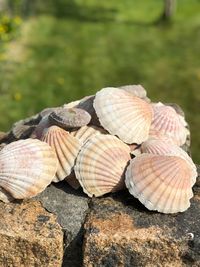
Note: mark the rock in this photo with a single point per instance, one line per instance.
(29, 236)
(71, 207)
(119, 231)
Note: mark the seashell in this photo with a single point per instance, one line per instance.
(87, 132)
(44, 124)
(4, 196)
(166, 122)
(160, 147)
(72, 181)
(161, 183)
(66, 147)
(70, 118)
(47, 111)
(87, 104)
(22, 131)
(123, 114)
(26, 168)
(72, 104)
(100, 165)
(3, 136)
(137, 90)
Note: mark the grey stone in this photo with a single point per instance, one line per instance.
(71, 207)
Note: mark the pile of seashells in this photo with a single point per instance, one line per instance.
(104, 142)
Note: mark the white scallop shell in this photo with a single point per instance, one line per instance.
(123, 114)
(166, 122)
(137, 90)
(87, 132)
(26, 167)
(161, 183)
(101, 164)
(66, 147)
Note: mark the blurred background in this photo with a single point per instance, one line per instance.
(56, 51)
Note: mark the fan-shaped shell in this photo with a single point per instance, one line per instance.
(137, 90)
(70, 118)
(166, 122)
(123, 114)
(161, 183)
(87, 132)
(66, 147)
(41, 127)
(26, 167)
(160, 147)
(101, 164)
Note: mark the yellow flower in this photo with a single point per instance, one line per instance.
(17, 96)
(17, 20)
(2, 29)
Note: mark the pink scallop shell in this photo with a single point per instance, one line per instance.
(27, 167)
(66, 147)
(161, 183)
(167, 123)
(100, 165)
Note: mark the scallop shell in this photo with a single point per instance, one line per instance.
(137, 90)
(72, 181)
(166, 122)
(66, 147)
(160, 147)
(41, 127)
(70, 118)
(123, 114)
(26, 167)
(161, 183)
(101, 164)
(87, 132)
(4, 196)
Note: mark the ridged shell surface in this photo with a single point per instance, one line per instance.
(166, 122)
(160, 147)
(123, 114)
(161, 183)
(43, 124)
(69, 118)
(87, 132)
(137, 90)
(66, 147)
(27, 167)
(101, 164)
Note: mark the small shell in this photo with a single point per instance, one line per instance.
(166, 122)
(72, 104)
(72, 181)
(22, 131)
(123, 114)
(161, 183)
(3, 136)
(101, 164)
(47, 111)
(26, 167)
(137, 90)
(66, 147)
(70, 118)
(87, 132)
(41, 127)
(160, 147)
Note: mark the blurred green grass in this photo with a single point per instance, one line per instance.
(65, 54)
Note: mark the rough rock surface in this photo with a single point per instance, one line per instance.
(119, 231)
(71, 207)
(29, 236)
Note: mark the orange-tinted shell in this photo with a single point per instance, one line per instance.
(161, 183)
